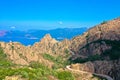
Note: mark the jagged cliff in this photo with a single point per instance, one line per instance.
(49, 45)
(20, 54)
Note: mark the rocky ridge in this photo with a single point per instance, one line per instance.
(20, 54)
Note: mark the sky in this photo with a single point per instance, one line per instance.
(51, 14)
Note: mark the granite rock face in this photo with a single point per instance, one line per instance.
(103, 40)
(93, 41)
(88, 67)
(111, 68)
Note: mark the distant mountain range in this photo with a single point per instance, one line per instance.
(29, 37)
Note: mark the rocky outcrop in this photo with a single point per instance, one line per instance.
(23, 55)
(111, 68)
(51, 46)
(89, 43)
(88, 67)
(20, 54)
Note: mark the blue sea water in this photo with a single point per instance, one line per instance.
(24, 41)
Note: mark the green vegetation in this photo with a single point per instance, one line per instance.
(31, 74)
(104, 22)
(59, 62)
(38, 65)
(36, 72)
(64, 75)
(4, 62)
(66, 51)
(90, 58)
(67, 55)
(113, 53)
(2, 55)
(99, 78)
(49, 57)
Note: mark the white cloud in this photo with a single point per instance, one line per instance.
(60, 22)
(12, 27)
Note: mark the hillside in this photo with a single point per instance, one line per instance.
(100, 45)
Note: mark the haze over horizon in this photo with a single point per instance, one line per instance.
(51, 14)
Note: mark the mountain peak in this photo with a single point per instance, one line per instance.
(47, 36)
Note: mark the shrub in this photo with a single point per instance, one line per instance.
(49, 57)
(66, 51)
(94, 57)
(4, 62)
(90, 58)
(24, 74)
(58, 61)
(36, 65)
(64, 75)
(104, 22)
(114, 52)
(2, 55)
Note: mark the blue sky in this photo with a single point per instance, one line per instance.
(50, 14)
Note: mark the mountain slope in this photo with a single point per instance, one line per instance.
(101, 45)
